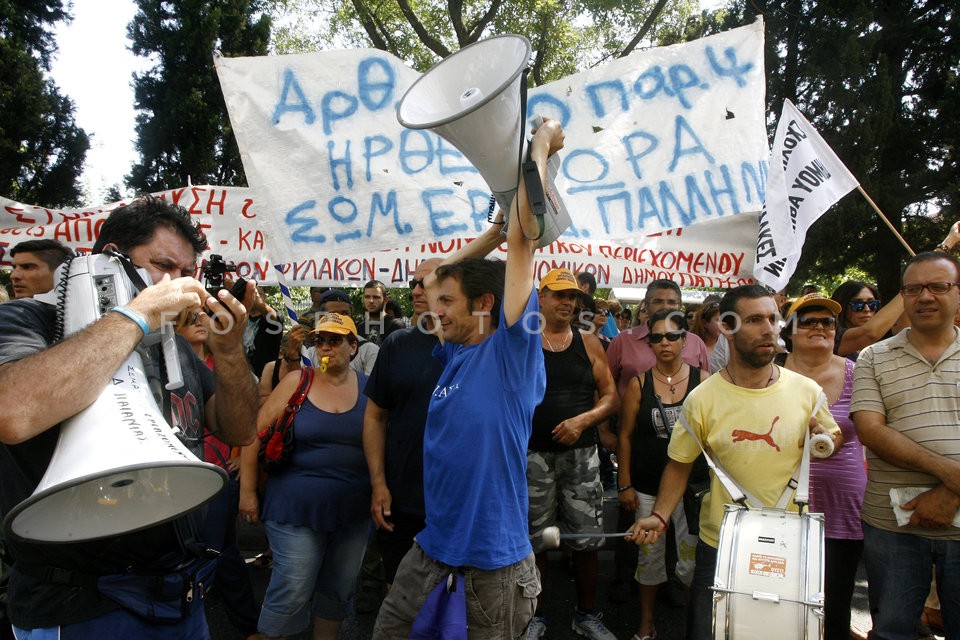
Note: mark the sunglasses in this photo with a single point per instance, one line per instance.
(413, 284)
(810, 323)
(936, 288)
(672, 336)
(319, 341)
(874, 305)
(603, 312)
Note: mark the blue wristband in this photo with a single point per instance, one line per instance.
(136, 317)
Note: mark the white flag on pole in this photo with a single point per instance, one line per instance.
(805, 179)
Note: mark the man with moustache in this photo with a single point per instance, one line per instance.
(905, 406)
(751, 419)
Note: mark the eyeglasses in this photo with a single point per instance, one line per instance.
(415, 283)
(809, 323)
(936, 288)
(874, 305)
(319, 341)
(672, 336)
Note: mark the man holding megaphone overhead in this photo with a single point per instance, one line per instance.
(143, 580)
(474, 554)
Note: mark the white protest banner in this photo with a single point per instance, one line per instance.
(713, 254)
(661, 139)
(805, 179)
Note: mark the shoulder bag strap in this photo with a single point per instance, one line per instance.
(738, 494)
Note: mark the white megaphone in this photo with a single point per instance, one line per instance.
(472, 100)
(118, 466)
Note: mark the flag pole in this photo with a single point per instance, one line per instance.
(884, 218)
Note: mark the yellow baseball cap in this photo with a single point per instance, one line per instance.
(336, 323)
(814, 300)
(559, 280)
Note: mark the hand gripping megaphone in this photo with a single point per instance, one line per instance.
(118, 466)
(472, 99)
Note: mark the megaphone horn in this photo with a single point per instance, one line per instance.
(472, 100)
(118, 467)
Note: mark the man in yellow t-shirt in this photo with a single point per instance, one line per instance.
(751, 418)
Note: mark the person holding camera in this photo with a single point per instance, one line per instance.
(60, 590)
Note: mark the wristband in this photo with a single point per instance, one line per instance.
(660, 518)
(944, 248)
(626, 488)
(130, 314)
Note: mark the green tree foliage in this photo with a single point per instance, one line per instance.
(567, 37)
(183, 130)
(41, 148)
(879, 80)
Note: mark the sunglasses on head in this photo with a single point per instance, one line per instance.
(809, 322)
(859, 305)
(319, 341)
(672, 336)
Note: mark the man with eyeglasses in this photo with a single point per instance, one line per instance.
(906, 399)
(751, 417)
(398, 395)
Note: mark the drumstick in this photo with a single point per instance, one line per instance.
(551, 536)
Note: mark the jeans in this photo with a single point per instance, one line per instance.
(700, 607)
(123, 625)
(898, 572)
(306, 564)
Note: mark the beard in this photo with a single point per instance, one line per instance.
(751, 357)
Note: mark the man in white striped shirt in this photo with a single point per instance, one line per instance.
(906, 406)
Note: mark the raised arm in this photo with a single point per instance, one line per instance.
(523, 228)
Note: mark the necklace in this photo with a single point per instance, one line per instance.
(669, 378)
(773, 371)
(563, 345)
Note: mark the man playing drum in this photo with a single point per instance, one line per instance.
(752, 419)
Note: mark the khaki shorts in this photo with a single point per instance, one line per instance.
(565, 491)
(500, 602)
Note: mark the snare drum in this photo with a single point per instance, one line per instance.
(769, 575)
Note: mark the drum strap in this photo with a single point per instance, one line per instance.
(799, 481)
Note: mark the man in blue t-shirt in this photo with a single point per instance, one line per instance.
(478, 426)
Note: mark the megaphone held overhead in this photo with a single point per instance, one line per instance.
(118, 467)
(472, 99)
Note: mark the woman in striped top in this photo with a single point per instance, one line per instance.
(837, 483)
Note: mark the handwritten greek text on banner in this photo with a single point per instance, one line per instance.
(661, 139)
(714, 254)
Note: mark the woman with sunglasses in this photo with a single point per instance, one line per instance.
(650, 407)
(837, 483)
(316, 509)
(861, 320)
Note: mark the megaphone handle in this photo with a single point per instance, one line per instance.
(170, 357)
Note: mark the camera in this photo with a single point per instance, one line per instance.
(214, 271)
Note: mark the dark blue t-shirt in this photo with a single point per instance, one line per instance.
(402, 382)
(475, 446)
(327, 485)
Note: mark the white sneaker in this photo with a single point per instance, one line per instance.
(536, 628)
(589, 626)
